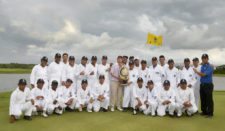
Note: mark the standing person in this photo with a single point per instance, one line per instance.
(128, 89)
(82, 71)
(20, 102)
(125, 58)
(116, 90)
(162, 62)
(55, 70)
(188, 74)
(172, 74)
(92, 69)
(196, 86)
(143, 72)
(70, 72)
(64, 64)
(101, 95)
(39, 72)
(206, 87)
(185, 99)
(156, 74)
(137, 63)
(104, 69)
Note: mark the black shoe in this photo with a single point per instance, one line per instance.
(29, 118)
(125, 109)
(203, 114)
(104, 110)
(69, 109)
(209, 116)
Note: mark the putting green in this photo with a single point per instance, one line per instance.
(114, 121)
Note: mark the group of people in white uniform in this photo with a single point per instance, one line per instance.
(63, 85)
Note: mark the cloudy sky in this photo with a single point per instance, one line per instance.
(30, 29)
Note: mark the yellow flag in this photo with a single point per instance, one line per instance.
(154, 39)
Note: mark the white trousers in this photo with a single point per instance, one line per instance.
(85, 102)
(196, 90)
(151, 108)
(128, 96)
(98, 104)
(141, 108)
(41, 103)
(161, 111)
(181, 109)
(18, 109)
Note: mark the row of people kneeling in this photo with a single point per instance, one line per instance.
(148, 100)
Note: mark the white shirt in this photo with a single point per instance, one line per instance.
(144, 75)
(67, 93)
(151, 95)
(53, 95)
(173, 76)
(197, 77)
(100, 89)
(55, 72)
(82, 68)
(133, 76)
(156, 74)
(166, 95)
(139, 92)
(70, 72)
(39, 92)
(18, 98)
(83, 95)
(185, 95)
(188, 75)
(38, 72)
(104, 70)
(92, 68)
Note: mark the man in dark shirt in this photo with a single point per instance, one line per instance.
(206, 87)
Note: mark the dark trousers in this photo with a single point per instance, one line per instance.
(206, 95)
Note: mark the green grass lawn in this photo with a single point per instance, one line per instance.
(115, 121)
(14, 71)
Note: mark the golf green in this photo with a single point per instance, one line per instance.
(114, 121)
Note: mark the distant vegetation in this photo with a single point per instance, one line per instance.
(17, 66)
(220, 70)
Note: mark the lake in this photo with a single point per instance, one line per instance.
(8, 82)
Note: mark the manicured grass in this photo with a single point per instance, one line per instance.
(14, 71)
(115, 121)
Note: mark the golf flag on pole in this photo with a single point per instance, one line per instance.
(154, 39)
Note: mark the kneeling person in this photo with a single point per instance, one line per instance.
(84, 97)
(55, 104)
(185, 100)
(67, 96)
(20, 102)
(139, 96)
(166, 100)
(101, 95)
(39, 94)
(151, 99)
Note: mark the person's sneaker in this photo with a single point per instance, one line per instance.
(134, 112)
(27, 118)
(89, 110)
(112, 109)
(80, 109)
(44, 114)
(69, 109)
(119, 108)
